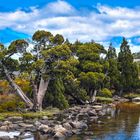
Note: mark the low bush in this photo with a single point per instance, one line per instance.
(105, 93)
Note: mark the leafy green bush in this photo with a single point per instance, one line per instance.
(10, 103)
(105, 92)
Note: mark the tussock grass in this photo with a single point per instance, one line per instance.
(30, 115)
(104, 99)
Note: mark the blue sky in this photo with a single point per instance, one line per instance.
(104, 21)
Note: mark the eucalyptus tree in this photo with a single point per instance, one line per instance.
(40, 62)
(44, 60)
(9, 64)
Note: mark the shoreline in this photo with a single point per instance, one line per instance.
(66, 123)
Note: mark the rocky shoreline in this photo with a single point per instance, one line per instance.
(72, 121)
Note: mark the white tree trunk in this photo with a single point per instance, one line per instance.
(43, 86)
(17, 89)
(94, 96)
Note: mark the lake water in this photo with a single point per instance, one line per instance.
(122, 123)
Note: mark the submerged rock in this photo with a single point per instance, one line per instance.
(5, 138)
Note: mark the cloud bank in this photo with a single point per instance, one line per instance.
(101, 24)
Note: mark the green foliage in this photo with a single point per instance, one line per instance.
(105, 92)
(104, 99)
(55, 95)
(75, 71)
(91, 79)
(128, 69)
(113, 70)
(42, 36)
(10, 103)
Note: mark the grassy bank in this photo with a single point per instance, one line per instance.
(30, 115)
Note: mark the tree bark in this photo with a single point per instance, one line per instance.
(43, 86)
(93, 96)
(17, 89)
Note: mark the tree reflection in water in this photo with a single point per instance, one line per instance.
(124, 124)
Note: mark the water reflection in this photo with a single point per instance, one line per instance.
(123, 125)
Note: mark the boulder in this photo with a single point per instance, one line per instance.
(59, 135)
(37, 124)
(60, 129)
(97, 107)
(5, 138)
(101, 113)
(67, 126)
(14, 119)
(92, 113)
(7, 123)
(43, 128)
(44, 118)
(26, 125)
(4, 128)
(137, 99)
(78, 125)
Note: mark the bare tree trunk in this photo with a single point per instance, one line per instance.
(94, 96)
(18, 90)
(43, 86)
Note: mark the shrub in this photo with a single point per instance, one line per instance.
(105, 92)
(10, 103)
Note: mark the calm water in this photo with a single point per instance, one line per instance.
(122, 123)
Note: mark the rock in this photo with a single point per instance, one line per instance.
(43, 128)
(93, 119)
(7, 123)
(59, 135)
(37, 124)
(76, 131)
(5, 138)
(97, 107)
(100, 122)
(137, 99)
(83, 115)
(4, 128)
(67, 126)
(14, 119)
(101, 113)
(44, 118)
(78, 124)
(26, 125)
(60, 129)
(88, 133)
(46, 122)
(92, 113)
(14, 126)
(51, 132)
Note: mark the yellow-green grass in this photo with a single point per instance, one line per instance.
(104, 99)
(30, 115)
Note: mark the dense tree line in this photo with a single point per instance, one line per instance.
(60, 73)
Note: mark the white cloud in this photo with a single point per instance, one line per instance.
(61, 17)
